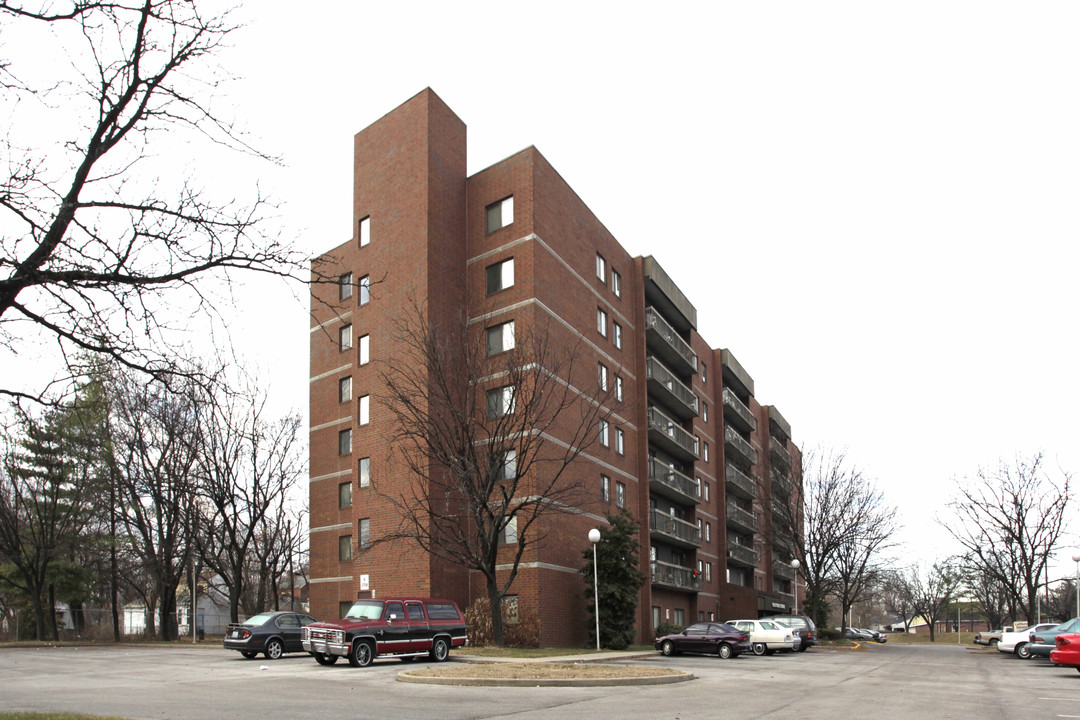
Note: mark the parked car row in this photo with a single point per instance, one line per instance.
(864, 634)
(761, 636)
(1060, 642)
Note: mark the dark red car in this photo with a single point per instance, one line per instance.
(1067, 651)
(710, 638)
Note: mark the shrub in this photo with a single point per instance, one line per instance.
(666, 628)
(520, 632)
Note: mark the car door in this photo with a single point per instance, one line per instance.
(773, 635)
(694, 639)
(289, 629)
(419, 627)
(394, 637)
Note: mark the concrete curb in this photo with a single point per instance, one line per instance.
(410, 677)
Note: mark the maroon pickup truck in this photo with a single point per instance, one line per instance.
(399, 627)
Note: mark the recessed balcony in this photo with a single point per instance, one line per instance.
(736, 413)
(662, 339)
(669, 390)
(782, 570)
(780, 483)
(673, 531)
(739, 449)
(739, 483)
(676, 577)
(666, 434)
(740, 519)
(779, 453)
(741, 555)
(672, 484)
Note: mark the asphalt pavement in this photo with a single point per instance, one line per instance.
(884, 682)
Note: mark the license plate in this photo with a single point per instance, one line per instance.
(236, 633)
(319, 647)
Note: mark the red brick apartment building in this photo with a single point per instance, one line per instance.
(695, 458)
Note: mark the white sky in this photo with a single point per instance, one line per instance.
(874, 205)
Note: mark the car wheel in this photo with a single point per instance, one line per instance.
(667, 647)
(249, 654)
(274, 649)
(1023, 651)
(325, 658)
(759, 648)
(362, 654)
(803, 648)
(724, 651)
(993, 642)
(440, 650)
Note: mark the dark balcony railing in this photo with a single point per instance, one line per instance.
(783, 571)
(673, 530)
(741, 555)
(674, 576)
(739, 449)
(779, 453)
(668, 344)
(741, 519)
(666, 432)
(736, 413)
(739, 483)
(673, 484)
(670, 390)
(781, 484)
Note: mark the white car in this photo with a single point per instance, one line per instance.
(766, 636)
(1016, 642)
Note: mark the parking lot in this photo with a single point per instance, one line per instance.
(891, 681)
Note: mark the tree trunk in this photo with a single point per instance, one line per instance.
(495, 602)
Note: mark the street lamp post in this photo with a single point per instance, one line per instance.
(795, 564)
(1076, 559)
(594, 537)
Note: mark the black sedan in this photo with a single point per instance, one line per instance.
(270, 633)
(711, 638)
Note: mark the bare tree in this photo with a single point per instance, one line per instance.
(98, 241)
(895, 596)
(155, 439)
(1010, 521)
(931, 589)
(492, 438)
(845, 525)
(248, 465)
(995, 601)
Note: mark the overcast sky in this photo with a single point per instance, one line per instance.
(874, 205)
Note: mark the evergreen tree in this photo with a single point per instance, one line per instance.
(618, 581)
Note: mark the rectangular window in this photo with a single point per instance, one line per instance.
(500, 401)
(601, 267)
(343, 607)
(679, 616)
(345, 337)
(704, 412)
(604, 429)
(345, 286)
(344, 389)
(365, 290)
(363, 409)
(618, 388)
(602, 376)
(365, 230)
(708, 532)
(601, 322)
(364, 471)
(620, 494)
(500, 338)
(344, 442)
(616, 283)
(616, 334)
(620, 441)
(508, 469)
(706, 490)
(364, 528)
(499, 214)
(344, 494)
(700, 567)
(365, 349)
(655, 617)
(509, 534)
(706, 453)
(704, 379)
(605, 488)
(708, 572)
(500, 276)
(344, 548)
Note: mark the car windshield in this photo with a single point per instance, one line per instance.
(365, 611)
(1069, 627)
(260, 619)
